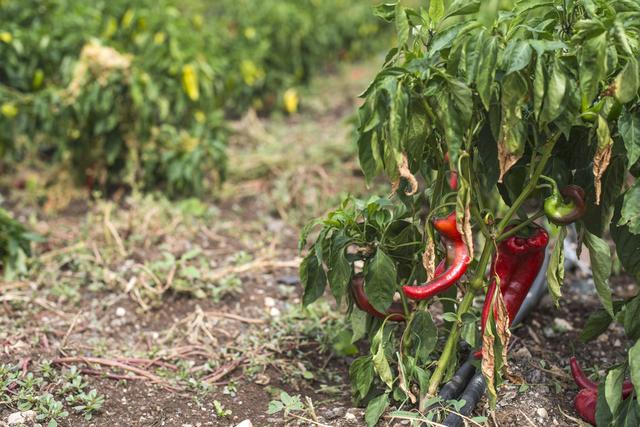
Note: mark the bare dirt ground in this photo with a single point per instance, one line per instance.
(188, 313)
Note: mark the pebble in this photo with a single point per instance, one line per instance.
(334, 413)
(245, 423)
(350, 417)
(269, 302)
(18, 418)
(523, 353)
(275, 312)
(562, 325)
(542, 413)
(121, 312)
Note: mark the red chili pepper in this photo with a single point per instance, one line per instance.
(395, 313)
(453, 180)
(566, 206)
(453, 175)
(457, 256)
(516, 263)
(586, 400)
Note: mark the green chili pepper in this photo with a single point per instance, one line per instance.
(565, 206)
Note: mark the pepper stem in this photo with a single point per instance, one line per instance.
(533, 182)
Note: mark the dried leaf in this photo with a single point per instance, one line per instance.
(500, 316)
(429, 258)
(403, 170)
(403, 381)
(603, 155)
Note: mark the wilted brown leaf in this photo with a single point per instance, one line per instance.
(429, 258)
(603, 155)
(403, 170)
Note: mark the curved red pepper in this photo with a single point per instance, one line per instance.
(585, 403)
(395, 313)
(516, 263)
(587, 399)
(458, 258)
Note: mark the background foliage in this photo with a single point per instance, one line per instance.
(136, 93)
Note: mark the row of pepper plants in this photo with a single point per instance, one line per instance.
(500, 125)
(137, 93)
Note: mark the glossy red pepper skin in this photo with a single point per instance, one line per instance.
(566, 207)
(587, 399)
(585, 403)
(516, 263)
(395, 313)
(457, 256)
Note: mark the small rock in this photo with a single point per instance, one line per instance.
(292, 280)
(562, 325)
(617, 343)
(542, 413)
(18, 418)
(548, 332)
(334, 413)
(269, 302)
(274, 312)
(523, 353)
(121, 312)
(245, 423)
(350, 417)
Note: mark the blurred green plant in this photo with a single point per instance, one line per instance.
(135, 94)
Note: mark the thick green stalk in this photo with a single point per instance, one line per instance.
(531, 185)
(449, 348)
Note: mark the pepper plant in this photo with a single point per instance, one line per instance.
(511, 118)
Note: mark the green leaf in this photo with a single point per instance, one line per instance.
(627, 246)
(361, 373)
(424, 335)
(592, 65)
(339, 273)
(627, 82)
(274, 407)
(463, 7)
(487, 69)
(634, 366)
(436, 10)
(556, 88)
(632, 318)
(313, 278)
(630, 214)
(385, 11)
(539, 86)
(603, 413)
(555, 271)
(613, 388)
(469, 329)
(629, 127)
(541, 46)
(380, 362)
(358, 325)
(380, 280)
(597, 323)
(375, 409)
(517, 56)
(368, 163)
(600, 255)
(403, 27)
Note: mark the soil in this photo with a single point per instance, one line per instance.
(92, 294)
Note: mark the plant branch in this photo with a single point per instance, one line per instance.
(520, 226)
(531, 185)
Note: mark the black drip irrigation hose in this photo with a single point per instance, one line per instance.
(472, 394)
(473, 383)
